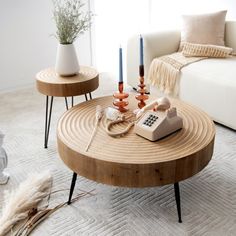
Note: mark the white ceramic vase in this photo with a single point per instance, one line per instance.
(66, 61)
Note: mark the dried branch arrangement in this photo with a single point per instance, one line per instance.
(38, 216)
(26, 197)
(70, 20)
(22, 213)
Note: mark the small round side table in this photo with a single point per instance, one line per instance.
(49, 83)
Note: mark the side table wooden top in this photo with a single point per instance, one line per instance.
(51, 84)
(132, 160)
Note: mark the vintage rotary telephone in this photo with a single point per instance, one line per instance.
(160, 122)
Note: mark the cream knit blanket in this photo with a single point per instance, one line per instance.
(164, 72)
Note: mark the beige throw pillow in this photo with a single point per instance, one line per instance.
(204, 29)
(203, 50)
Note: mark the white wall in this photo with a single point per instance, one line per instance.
(167, 14)
(26, 44)
(115, 20)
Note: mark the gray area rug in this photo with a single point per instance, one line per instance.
(208, 198)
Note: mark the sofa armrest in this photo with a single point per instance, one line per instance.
(230, 34)
(155, 44)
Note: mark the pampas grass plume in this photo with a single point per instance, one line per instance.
(19, 202)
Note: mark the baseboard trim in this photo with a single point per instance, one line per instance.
(16, 88)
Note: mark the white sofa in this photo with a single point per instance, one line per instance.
(209, 84)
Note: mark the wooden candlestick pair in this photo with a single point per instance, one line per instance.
(120, 103)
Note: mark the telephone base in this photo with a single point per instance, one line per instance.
(157, 125)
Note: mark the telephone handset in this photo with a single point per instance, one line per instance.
(155, 125)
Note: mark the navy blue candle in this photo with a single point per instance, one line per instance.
(120, 66)
(141, 50)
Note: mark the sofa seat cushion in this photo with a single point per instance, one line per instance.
(211, 85)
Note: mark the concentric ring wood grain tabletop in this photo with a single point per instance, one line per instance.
(51, 84)
(131, 160)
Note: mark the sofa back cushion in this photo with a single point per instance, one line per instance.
(204, 28)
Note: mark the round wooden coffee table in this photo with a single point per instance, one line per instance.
(49, 83)
(131, 160)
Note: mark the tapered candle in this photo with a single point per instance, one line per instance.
(120, 66)
(141, 50)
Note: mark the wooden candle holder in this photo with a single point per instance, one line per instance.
(119, 103)
(142, 96)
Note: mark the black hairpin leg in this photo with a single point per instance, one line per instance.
(177, 199)
(66, 103)
(47, 121)
(48, 117)
(72, 186)
(72, 102)
(74, 177)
